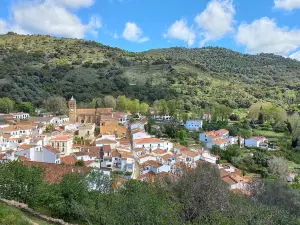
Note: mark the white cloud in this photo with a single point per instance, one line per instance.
(264, 35)
(73, 3)
(54, 18)
(295, 55)
(133, 33)
(287, 4)
(216, 20)
(3, 27)
(180, 30)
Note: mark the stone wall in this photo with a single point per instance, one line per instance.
(25, 208)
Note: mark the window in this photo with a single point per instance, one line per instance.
(63, 150)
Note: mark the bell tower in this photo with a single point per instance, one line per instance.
(72, 110)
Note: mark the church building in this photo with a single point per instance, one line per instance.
(87, 115)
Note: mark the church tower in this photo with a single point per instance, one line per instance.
(72, 110)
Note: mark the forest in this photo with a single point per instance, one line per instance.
(34, 67)
(167, 201)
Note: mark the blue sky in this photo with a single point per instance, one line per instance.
(248, 26)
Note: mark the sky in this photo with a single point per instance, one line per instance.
(247, 26)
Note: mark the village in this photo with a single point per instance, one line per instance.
(64, 144)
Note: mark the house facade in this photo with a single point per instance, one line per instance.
(193, 125)
(63, 144)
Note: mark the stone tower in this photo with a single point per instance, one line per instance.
(72, 110)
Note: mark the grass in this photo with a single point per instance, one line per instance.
(292, 165)
(267, 133)
(13, 216)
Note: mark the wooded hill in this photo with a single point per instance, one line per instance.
(34, 67)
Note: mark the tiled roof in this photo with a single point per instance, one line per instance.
(190, 154)
(152, 163)
(147, 140)
(68, 160)
(51, 149)
(24, 146)
(167, 156)
(80, 153)
(219, 142)
(106, 148)
(55, 172)
(229, 180)
(106, 141)
(61, 138)
(93, 111)
(181, 147)
(159, 151)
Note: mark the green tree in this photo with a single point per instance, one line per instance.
(122, 103)
(56, 104)
(6, 105)
(79, 163)
(278, 167)
(27, 107)
(110, 102)
(144, 108)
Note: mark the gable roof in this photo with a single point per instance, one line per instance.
(106, 141)
(147, 140)
(51, 149)
(68, 160)
(61, 138)
(55, 172)
(94, 111)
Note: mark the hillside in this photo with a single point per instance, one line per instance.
(34, 67)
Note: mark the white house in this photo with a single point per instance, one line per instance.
(155, 167)
(193, 125)
(190, 157)
(112, 143)
(46, 154)
(208, 157)
(122, 117)
(161, 117)
(138, 134)
(212, 138)
(235, 140)
(138, 125)
(83, 156)
(255, 142)
(20, 115)
(146, 157)
(63, 144)
(152, 143)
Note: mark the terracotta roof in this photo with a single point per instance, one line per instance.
(55, 172)
(124, 141)
(138, 149)
(7, 136)
(106, 148)
(68, 160)
(147, 140)
(190, 154)
(80, 153)
(159, 151)
(116, 153)
(137, 131)
(147, 177)
(222, 131)
(106, 141)
(146, 155)
(23, 158)
(181, 147)
(223, 173)
(219, 142)
(152, 163)
(167, 156)
(258, 138)
(229, 180)
(61, 138)
(126, 155)
(24, 146)
(93, 151)
(51, 149)
(93, 111)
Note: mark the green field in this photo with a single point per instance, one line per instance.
(271, 135)
(12, 216)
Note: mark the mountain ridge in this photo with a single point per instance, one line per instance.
(33, 67)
